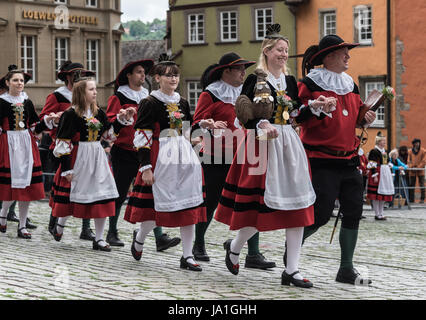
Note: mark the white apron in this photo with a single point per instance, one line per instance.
(93, 179)
(178, 176)
(386, 186)
(288, 184)
(21, 158)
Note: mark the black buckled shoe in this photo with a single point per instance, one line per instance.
(381, 218)
(97, 246)
(351, 276)
(29, 225)
(11, 216)
(200, 253)
(184, 264)
(3, 228)
(87, 234)
(57, 236)
(258, 261)
(286, 279)
(113, 240)
(135, 253)
(164, 242)
(233, 268)
(23, 235)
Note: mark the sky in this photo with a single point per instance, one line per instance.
(144, 10)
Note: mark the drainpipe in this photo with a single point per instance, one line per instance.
(389, 68)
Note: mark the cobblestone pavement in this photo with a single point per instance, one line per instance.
(390, 252)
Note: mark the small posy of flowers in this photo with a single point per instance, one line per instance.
(18, 107)
(176, 118)
(175, 115)
(94, 124)
(389, 93)
(285, 101)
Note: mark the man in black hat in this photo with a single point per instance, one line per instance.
(222, 84)
(57, 102)
(416, 160)
(328, 134)
(128, 93)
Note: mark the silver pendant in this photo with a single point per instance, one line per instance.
(345, 112)
(21, 124)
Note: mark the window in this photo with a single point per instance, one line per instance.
(263, 19)
(380, 113)
(61, 54)
(228, 26)
(363, 25)
(92, 3)
(28, 58)
(194, 91)
(61, 1)
(92, 54)
(328, 23)
(196, 28)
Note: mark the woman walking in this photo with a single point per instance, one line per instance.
(168, 187)
(280, 196)
(86, 187)
(20, 166)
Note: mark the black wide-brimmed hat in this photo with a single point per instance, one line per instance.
(228, 60)
(70, 67)
(328, 44)
(122, 75)
(27, 76)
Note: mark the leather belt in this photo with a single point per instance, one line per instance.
(337, 153)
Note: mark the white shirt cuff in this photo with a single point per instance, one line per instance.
(260, 132)
(142, 169)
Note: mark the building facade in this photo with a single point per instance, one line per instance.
(39, 35)
(408, 70)
(357, 21)
(200, 32)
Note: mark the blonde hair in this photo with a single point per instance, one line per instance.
(79, 98)
(379, 138)
(268, 44)
(393, 152)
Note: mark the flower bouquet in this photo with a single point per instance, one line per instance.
(94, 124)
(18, 107)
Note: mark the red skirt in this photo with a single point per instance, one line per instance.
(141, 204)
(372, 189)
(241, 203)
(63, 207)
(35, 191)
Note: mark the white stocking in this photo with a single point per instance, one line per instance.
(99, 230)
(187, 234)
(145, 228)
(240, 240)
(376, 207)
(294, 238)
(4, 210)
(61, 221)
(23, 214)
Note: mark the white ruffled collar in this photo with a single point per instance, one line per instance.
(67, 93)
(224, 91)
(380, 149)
(14, 99)
(278, 83)
(339, 83)
(133, 95)
(174, 98)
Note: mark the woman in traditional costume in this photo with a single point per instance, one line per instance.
(168, 190)
(84, 180)
(276, 191)
(20, 166)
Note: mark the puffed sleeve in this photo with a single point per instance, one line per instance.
(144, 128)
(33, 120)
(63, 144)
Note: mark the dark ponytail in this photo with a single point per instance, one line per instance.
(13, 69)
(307, 65)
